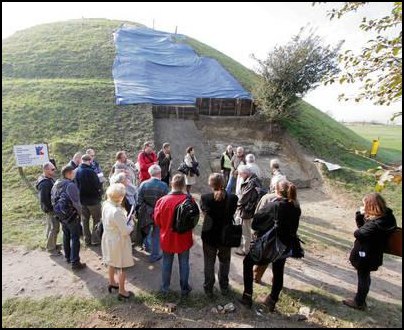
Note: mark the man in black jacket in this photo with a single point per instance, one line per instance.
(90, 197)
(44, 186)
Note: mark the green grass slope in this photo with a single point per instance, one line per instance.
(57, 88)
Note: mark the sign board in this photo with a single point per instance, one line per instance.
(31, 155)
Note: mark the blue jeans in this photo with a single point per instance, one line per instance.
(230, 184)
(183, 261)
(71, 240)
(155, 244)
(147, 240)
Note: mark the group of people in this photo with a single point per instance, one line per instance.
(140, 207)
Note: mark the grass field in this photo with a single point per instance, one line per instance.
(391, 141)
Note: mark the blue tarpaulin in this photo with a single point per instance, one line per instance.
(156, 67)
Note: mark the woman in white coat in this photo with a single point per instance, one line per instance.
(116, 244)
(191, 162)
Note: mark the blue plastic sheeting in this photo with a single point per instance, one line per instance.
(155, 67)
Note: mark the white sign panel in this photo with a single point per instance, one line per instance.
(31, 155)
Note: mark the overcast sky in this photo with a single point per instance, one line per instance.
(237, 29)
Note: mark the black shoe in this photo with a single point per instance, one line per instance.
(353, 304)
(225, 291)
(78, 266)
(121, 297)
(246, 300)
(187, 292)
(209, 293)
(110, 287)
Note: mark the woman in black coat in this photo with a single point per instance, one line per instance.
(219, 208)
(288, 214)
(375, 222)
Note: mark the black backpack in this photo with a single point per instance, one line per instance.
(186, 216)
(62, 205)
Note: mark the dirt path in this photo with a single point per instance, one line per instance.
(326, 226)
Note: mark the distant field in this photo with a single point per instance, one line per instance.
(390, 139)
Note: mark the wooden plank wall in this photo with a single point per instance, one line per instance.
(207, 107)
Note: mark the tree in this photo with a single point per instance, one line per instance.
(290, 71)
(379, 65)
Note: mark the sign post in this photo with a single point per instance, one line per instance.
(31, 155)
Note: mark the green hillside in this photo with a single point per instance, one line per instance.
(57, 88)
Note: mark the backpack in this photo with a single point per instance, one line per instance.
(62, 205)
(186, 216)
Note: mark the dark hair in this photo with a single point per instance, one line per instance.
(189, 149)
(216, 182)
(67, 169)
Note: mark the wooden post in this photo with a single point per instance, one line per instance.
(251, 109)
(220, 106)
(210, 105)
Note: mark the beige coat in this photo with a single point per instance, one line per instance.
(116, 245)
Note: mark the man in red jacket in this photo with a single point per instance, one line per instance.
(171, 242)
(146, 159)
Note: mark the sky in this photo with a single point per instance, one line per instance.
(236, 29)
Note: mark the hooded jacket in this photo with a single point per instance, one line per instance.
(371, 237)
(44, 186)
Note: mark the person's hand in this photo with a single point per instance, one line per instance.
(362, 210)
(222, 171)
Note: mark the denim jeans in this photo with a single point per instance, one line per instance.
(155, 244)
(230, 184)
(71, 240)
(183, 261)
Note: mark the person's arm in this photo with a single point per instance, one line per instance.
(188, 160)
(45, 196)
(95, 182)
(121, 223)
(222, 162)
(367, 230)
(73, 192)
(157, 214)
(141, 161)
(140, 197)
(163, 159)
(360, 219)
(246, 195)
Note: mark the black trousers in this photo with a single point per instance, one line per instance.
(363, 286)
(224, 255)
(278, 268)
(166, 179)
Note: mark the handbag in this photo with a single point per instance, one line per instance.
(231, 233)
(268, 248)
(297, 249)
(394, 244)
(183, 168)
